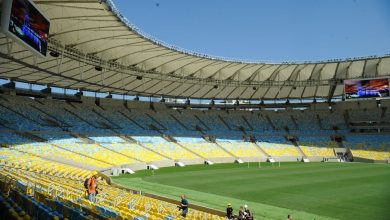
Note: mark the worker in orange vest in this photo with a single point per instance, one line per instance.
(91, 185)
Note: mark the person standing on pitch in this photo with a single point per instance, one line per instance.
(248, 213)
(183, 206)
(229, 212)
(92, 187)
(241, 214)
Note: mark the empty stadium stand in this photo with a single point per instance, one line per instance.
(56, 143)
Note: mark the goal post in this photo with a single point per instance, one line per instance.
(254, 165)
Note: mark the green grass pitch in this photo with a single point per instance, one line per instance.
(305, 190)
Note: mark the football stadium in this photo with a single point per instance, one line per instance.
(99, 120)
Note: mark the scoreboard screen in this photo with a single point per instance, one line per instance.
(24, 22)
(366, 88)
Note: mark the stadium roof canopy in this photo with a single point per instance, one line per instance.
(92, 33)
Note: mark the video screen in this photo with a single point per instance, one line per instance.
(366, 88)
(29, 25)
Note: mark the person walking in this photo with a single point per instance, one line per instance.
(183, 206)
(248, 213)
(92, 187)
(229, 212)
(241, 214)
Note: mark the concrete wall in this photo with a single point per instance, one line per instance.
(222, 159)
(367, 104)
(345, 105)
(159, 106)
(319, 106)
(163, 163)
(288, 159)
(315, 159)
(254, 159)
(111, 103)
(138, 105)
(135, 166)
(88, 100)
(192, 161)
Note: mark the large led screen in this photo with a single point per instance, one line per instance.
(28, 24)
(367, 88)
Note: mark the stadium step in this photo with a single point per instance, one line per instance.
(261, 150)
(20, 114)
(247, 122)
(319, 122)
(228, 152)
(156, 121)
(270, 122)
(178, 121)
(117, 152)
(55, 119)
(200, 120)
(31, 136)
(131, 120)
(69, 162)
(81, 154)
(182, 146)
(112, 124)
(4, 123)
(83, 138)
(156, 152)
(169, 138)
(301, 151)
(296, 144)
(224, 122)
(128, 139)
(347, 119)
(79, 117)
(294, 120)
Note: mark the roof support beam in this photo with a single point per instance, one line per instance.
(220, 69)
(104, 38)
(2, 55)
(332, 89)
(100, 28)
(237, 72)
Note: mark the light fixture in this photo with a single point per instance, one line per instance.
(98, 68)
(79, 93)
(54, 54)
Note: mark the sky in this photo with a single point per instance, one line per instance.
(272, 30)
